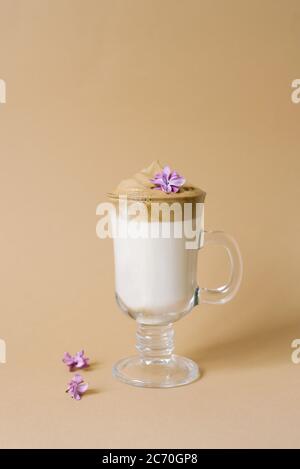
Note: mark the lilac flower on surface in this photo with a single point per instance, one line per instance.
(77, 387)
(69, 360)
(168, 181)
(78, 361)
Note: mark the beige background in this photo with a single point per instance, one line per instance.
(96, 90)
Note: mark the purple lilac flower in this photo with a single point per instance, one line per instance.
(69, 360)
(78, 361)
(81, 360)
(76, 387)
(168, 181)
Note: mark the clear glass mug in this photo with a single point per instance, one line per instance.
(156, 284)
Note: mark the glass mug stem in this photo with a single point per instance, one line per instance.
(155, 342)
(155, 365)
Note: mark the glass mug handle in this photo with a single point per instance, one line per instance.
(226, 292)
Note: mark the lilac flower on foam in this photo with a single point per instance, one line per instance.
(77, 387)
(78, 361)
(168, 181)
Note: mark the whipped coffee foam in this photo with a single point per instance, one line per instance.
(140, 187)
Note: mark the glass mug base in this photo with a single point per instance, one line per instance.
(156, 366)
(156, 372)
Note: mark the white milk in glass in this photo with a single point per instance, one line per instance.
(155, 278)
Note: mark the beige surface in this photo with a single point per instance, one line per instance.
(95, 91)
